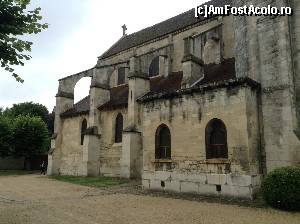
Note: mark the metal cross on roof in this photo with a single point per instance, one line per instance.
(124, 29)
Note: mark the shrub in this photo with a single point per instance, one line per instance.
(281, 188)
(6, 136)
(30, 136)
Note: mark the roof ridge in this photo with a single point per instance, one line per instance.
(158, 30)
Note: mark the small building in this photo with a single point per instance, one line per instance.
(194, 105)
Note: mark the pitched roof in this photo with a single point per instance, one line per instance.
(159, 30)
(82, 107)
(217, 72)
(213, 73)
(118, 98)
(240, 81)
(119, 94)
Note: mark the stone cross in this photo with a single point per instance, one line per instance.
(124, 29)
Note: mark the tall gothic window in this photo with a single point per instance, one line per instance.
(154, 67)
(216, 140)
(121, 76)
(119, 128)
(163, 143)
(83, 129)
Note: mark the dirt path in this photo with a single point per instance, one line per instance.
(33, 199)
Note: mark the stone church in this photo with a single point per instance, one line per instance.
(192, 105)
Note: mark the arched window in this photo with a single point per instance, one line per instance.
(83, 129)
(154, 67)
(121, 76)
(216, 140)
(163, 143)
(119, 128)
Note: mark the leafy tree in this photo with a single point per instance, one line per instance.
(27, 108)
(6, 136)
(15, 21)
(30, 136)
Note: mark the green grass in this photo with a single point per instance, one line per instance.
(100, 182)
(15, 172)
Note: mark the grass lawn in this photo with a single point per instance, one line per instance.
(99, 182)
(15, 172)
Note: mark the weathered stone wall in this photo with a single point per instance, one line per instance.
(263, 50)
(176, 40)
(110, 152)
(71, 150)
(187, 117)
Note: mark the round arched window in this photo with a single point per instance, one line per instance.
(216, 140)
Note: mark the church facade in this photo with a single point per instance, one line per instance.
(192, 105)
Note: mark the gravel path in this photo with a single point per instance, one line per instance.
(33, 199)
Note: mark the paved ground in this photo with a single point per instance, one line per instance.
(33, 199)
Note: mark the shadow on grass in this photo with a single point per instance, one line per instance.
(99, 182)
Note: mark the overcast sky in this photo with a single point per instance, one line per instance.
(79, 31)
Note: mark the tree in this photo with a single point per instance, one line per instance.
(30, 136)
(6, 137)
(15, 21)
(27, 108)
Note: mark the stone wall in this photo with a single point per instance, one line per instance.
(263, 50)
(110, 152)
(176, 40)
(71, 150)
(187, 117)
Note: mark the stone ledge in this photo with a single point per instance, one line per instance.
(99, 85)
(65, 95)
(93, 130)
(192, 58)
(138, 75)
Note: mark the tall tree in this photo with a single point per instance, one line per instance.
(27, 108)
(6, 136)
(30, 136)
(15, 21)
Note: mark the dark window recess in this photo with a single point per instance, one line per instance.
(216, 140)
(163, 143)
(218, 188)
(83, 129)
(119, 128)
(154, 67)
(162, 184)
(121, 76)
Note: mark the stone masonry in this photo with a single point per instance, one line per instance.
(181, 75)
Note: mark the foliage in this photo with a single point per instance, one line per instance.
(281, 188)
(27, 108)
(15, 21)
(30, 136)
(92, 181)
(6, 137)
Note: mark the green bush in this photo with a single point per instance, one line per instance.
(281, 188)
(6, 137)
(30, 136)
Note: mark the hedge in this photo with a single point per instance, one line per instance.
(281, 188)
